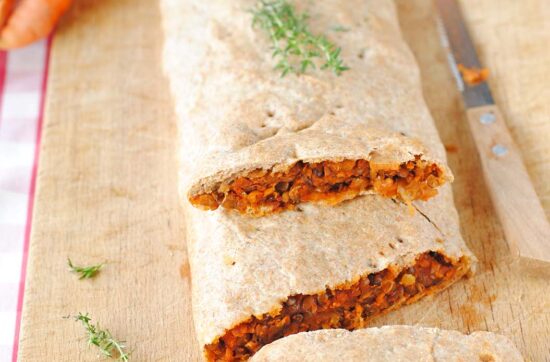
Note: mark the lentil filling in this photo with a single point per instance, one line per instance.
(343, 307)
(263, 191)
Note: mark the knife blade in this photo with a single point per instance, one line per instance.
(526, 228)
(460, 50)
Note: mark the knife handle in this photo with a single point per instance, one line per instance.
(526, 228)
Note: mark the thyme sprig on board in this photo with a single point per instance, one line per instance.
(103, 339)
(294, 45)
(85, 272)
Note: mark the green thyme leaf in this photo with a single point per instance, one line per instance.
(85, 272)
(296, 48)
(102, 339)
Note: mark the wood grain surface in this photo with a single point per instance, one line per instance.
(519, 210)
(107, 188)
(513, 40)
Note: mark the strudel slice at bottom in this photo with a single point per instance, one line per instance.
(391, 344)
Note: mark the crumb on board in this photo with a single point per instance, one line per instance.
(185, 270)
(450, 148)
(473, 76)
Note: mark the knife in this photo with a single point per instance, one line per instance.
(520, 212)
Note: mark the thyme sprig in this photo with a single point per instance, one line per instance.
(103, 339)
(293, 44)
(85, 272)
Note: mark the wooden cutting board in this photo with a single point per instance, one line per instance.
(107, 188)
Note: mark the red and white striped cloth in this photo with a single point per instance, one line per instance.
(23, 76)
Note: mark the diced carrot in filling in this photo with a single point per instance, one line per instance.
(348, 306)
(263, 192)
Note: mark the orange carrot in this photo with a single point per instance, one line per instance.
(5, 10)
(29, 21)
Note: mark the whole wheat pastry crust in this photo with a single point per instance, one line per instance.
(349, 306)
(391, 344)
(245, 270)
(240, 118)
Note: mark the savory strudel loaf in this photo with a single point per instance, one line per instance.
(260, 143)
(256, 280)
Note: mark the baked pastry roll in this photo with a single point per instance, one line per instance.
(255, 280)
(391, 344)
(259, 143)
